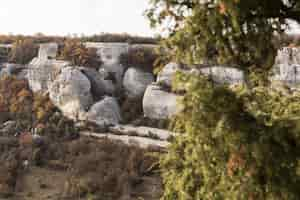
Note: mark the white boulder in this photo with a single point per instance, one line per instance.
(42, 72)
(71, 93)
(166, 75)
(288, 56)
(136, 81)
(105, 113)
(221, 74)
(287, 67)
(158, 104)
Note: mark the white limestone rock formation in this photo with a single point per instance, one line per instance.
(42, 72)
(136, 81)
(166, 75)
(159, 104)
(287, 67)
(142, 131)
(222, 75)
(288, 56)
(105, 112)
(48, 51)
(219, 74)
(71, 93)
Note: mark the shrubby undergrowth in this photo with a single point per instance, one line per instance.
(23, 51)
(29, 110)
(235, 144)
(79, 55)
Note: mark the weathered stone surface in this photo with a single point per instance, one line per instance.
(136, 81)
(48, 51)
(219, 74)
(223, 75)
(101, 85)
(287, 67)
(288, 74)
(105, 113)
(158, 104)
(71, 93)
(141, 142)
(42, 72)
(288, 56)
(166, 75)
(142, 131)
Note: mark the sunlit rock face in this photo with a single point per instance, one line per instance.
(223, 75)
(159, 104)
(135, 82)
(219, 74)
(42, 72)
(71, 93)
(287, 67)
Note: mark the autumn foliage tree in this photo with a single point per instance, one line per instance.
(79, 55)
(236, 143)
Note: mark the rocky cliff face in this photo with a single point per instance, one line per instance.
(83, 93)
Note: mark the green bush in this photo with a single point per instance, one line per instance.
(235, 144)
(23, 51)
(79, 55)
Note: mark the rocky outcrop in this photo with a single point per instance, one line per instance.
(287, 67)
(219, 74)
(42, 72)
(100, 83)
(159, 104)
(166, 75)
(135, 82)
(222, 75)
(48, 51)
(71, 93)
(105, 113)
(141, 142)
(142, 131)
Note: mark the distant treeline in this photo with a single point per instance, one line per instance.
(103, 37)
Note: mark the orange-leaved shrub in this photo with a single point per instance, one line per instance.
(78, 54)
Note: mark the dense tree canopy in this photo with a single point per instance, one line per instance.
(236, 32)
(236, 143)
